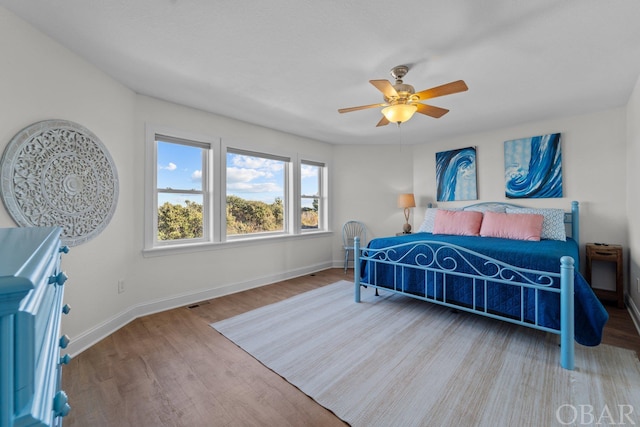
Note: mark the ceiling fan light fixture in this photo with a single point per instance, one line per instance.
(401, 100)
(399, 113)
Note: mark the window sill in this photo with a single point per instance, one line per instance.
(238, 242)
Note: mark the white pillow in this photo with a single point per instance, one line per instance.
(429, 220)
(487, 208)
(552, 225)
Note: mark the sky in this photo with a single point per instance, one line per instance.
(248, 177)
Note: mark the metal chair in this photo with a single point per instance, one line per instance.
(350, 230)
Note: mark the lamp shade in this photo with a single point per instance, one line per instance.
(406, 201)
(399, 113)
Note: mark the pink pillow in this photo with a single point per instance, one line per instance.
(462, 223)
(512, 226)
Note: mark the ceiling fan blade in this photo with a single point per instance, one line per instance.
(385, 87)
(446, 89)
(362, 107)
(383, 122)
(430, 110)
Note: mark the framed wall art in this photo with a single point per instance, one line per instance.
(456, 175)
(533, 167)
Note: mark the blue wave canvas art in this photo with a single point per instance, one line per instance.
(456, 175)
(533, 167)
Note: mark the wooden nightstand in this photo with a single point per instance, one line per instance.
(610, 253)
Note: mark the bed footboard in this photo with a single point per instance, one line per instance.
(441, 268)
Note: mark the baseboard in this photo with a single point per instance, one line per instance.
(340, 264)
(88, 338)
(632, 308)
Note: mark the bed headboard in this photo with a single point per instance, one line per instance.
(571, 217)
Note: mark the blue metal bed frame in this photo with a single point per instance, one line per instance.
(447, 260)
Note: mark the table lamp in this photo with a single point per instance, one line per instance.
(406, 201)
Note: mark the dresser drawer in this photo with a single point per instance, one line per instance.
(32, 266)
(37, 331)
(35, 315)
(37, 375)
(603, 252)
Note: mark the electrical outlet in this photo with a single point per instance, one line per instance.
(120, 286)
(638, 284)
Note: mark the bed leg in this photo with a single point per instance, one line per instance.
(567, 317)
(356, 268)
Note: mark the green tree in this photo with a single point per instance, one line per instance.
(277, 208)
(243, 217)
(180, 221)
(251, 216)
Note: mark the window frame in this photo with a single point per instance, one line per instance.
(205, 192)
(211, 147)
(215, 177)
(287, 196)
(322, 202)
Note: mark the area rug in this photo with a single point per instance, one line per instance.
(395, 361)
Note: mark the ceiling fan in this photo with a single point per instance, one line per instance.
(401, 101)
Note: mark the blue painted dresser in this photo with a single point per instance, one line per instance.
(31, 291)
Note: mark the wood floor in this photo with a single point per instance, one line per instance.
(173, 369)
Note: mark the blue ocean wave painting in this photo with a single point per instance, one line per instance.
(456, 175)
(533, 167)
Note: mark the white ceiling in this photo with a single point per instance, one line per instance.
(290, 64)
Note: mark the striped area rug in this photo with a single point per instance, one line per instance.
(395, 361)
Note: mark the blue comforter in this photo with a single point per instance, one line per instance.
(501, 299)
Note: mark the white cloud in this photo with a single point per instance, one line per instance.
(196, 176)
(261, 187)
(170, 167)
(243, 175)
(255, 175)
(308, 171)
(250, 162)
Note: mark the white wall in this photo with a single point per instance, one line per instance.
(593, 169)
(223, 269)
(42, 80)
(633, 198)
(594, 166)
(367, 181)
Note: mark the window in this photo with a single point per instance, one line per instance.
(200, 192)
(182, 197)
(256, 193)
(311, 195)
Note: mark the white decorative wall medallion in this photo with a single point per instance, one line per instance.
(57, 172)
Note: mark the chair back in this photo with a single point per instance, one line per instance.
(350, 230)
